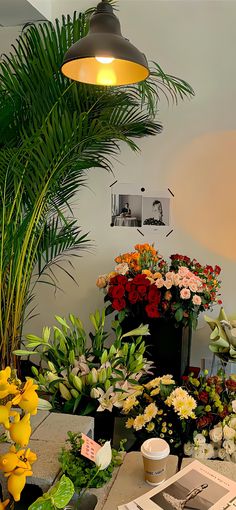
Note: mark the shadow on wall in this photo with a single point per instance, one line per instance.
(203, 175)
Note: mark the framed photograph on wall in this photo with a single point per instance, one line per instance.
(132, 207)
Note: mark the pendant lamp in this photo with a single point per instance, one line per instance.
(104, 56)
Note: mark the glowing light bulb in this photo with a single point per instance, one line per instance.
(105, 60)
(106, 77)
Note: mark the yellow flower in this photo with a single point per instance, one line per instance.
(149, 427)
(27, 399)
(153, 383)
(6, 387)
(16, 482)
(20, 430)
(129, 423)
(207, 408)
(5, 413)
(167, 379)
(129, 403)
(150, 412)
(139, 422)
(155, 392)
(3, 504)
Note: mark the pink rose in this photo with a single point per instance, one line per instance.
(193, 287)
(170, 275)
(196, 300)
(176, 279)
(101, 281)
(159, 283)
(168, 284)
(185, 282)
(122, 268)
(185, 294)
(183, 271)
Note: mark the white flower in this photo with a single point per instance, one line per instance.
(216, 434)
(234, 405)
(103, 456)
(209, 451)
(188, 449)
(228, 432)
(222, 453)
(122, 268)
(199, 452)
(199, 440)
(229, 446)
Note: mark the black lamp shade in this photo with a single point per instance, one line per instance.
(104, 56)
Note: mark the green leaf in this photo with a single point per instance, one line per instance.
(62, 492)
(42, 503)
(179, 314)
(22, 352)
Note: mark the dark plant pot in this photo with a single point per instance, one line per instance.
(104, 425)
(168, 345)
(30, 493)
(87, 502)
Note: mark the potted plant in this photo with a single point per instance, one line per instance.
(52, 131)
(88, 380)
(167, 297)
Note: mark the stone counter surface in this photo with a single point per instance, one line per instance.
(128, 482)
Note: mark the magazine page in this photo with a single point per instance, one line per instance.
(196, 487)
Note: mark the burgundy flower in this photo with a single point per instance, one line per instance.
(152, 311)
(119, 304)
(203, 396)
(217, 270)
(130, 286)
(141, 289)
(141, 279)
(133, 297)
(204, 421)
(121, 279)
(118, 291)
(154, 295)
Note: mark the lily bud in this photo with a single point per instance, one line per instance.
(77, 383)
(94, 393)
(74, 393)
(64, 391)
(94, 375)
(104, 357)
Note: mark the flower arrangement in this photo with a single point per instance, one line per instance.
(160, 408)
(84, 379)
(16, 463)
(223, 336)
(213, 433)
(143, 281)
(83, 472)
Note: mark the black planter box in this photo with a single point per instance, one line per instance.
(168, 345)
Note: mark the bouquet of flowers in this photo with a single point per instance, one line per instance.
(159, 408)
(144, 284)
(213, 433)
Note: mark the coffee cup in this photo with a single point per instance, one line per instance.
(155, 452)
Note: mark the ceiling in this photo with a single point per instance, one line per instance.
(17, 12)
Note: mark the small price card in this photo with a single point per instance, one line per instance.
(89, 448)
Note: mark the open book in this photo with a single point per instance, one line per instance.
(196, 487)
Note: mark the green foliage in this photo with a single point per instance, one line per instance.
(75, 374)
(83, 472)
(57, 497)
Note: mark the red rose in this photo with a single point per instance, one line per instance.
(217, 269)
(141, 279)
(219, 302)
(113, 280)
(154, 295)
(231, 384)
(203, 396)
(119, 304)
(133, 297)
(142, 290)
(121, 279)
(118, 291)
(130, 286)
(152, 311)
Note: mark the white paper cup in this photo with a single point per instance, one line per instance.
(155, 452)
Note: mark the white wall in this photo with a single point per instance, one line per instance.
(195, 156)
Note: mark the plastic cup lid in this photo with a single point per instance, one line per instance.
(155, 448)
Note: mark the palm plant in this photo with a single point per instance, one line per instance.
(51, 131)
